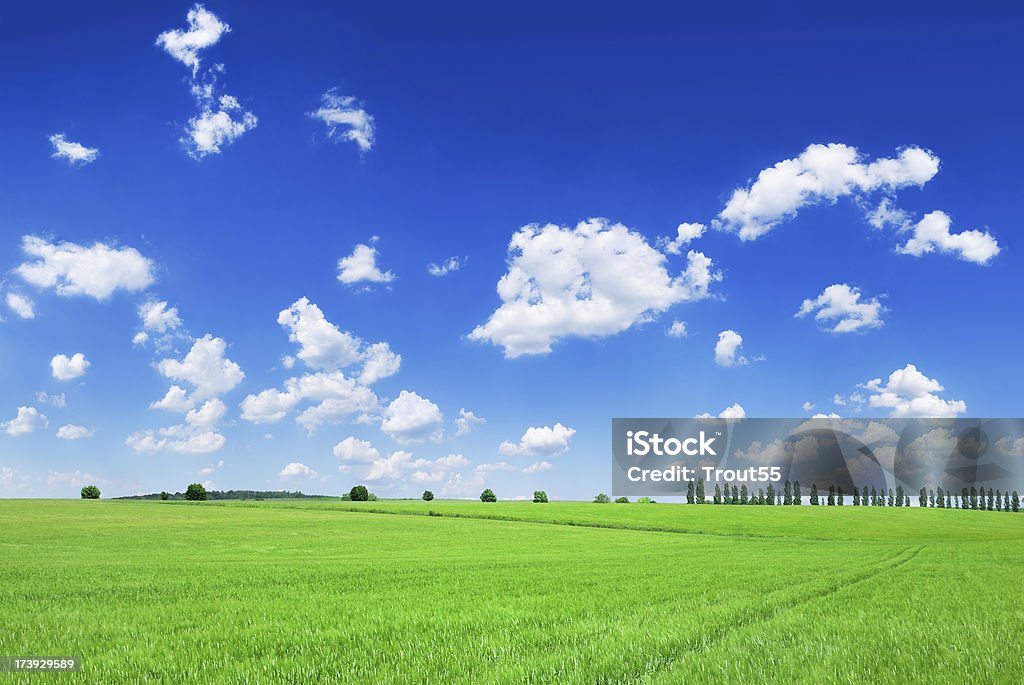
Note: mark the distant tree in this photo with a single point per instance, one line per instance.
(864, 496)
(1015, 501)
(427, 495)
(874, 496)
(1006, 501)
(856, 496)
(890, 498)
(371, 497)
(602, 498)
(899, 495)
(622, 500)
(999, 500)
(195, 492)
(778, 500)
(735, 495)
(744, 497)
(700, 491)
(770, 494)
(90, 492)
(540, 497)
(787, 494)
(488, 496)
(949, 500)
(689, 492)
(991, 497)
(359, 493)
(931, 498)
(645, 500)
(839, 495)
(164, 495)
(922, 498)
(718, 494)
(964, 502)
(974, 498)
(760, 495)
(797, 495)
(831, 496)
(814, 494)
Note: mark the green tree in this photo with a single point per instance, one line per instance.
(964, 501)
(797, 495)
(164, 495)
(922, 498)
(770, 495)
(622, 500)
(1015, 501)
(645, 500)
(488, 496)
(991, 497)
(999, 500)
(718, 494)
(831, 496)
(814, 494)
(787, 494)
(744, 495)
(891, 501)
(359, 493)
(90, 492)
(540, 497)
(1006, 501)
(839, 495)
(931, 498)
(949, 500)
(735, 495)
(760, 495)
(700, 491)
(864, 496)
(195, 492)
(602, 498)
(899, 495)
(689, 492)
(874, 496)
(856, 496)
(427, 495)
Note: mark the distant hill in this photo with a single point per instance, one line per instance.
(235, 494)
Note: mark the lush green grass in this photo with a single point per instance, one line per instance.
(316, 592)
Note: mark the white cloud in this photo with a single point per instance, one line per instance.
(28, 420)
(734, 411)
(411, 418)
(73, 479)
(452, 461)
(208, 415)
(540, 441)
(1010, 448)
(176, 399)
(446, 267)
(73, 269)
(352, 449)
(44, 397)
(466, 421)
(727, 349)
(885, 215)
(821, 173)
(538, 467)
(346, 119)
(182, 439)
(21, 305)
(73, 432)
(211, 469)
(932, 233)
(392, 467)
(808, 406)
(296, 470)
(157, 317)
(75, 153)
(140, 338)
(321, 344)
(204, 30)
(685, 234)
(594, 280)
(361, 266)
(909, 393)
(677, 329)
(65, 368)
(842, 304)
(220, 122)
(205, 367)
(338, 397)
(379, 362)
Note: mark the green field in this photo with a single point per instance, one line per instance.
(331, 591)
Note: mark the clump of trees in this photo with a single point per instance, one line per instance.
(540, 497)
(90, 492)
(359, 493)
(622, 500)
(427, 495)
(195, 492)
(488, 496)
(602, 498)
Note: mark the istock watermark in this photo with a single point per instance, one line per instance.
(663, 456)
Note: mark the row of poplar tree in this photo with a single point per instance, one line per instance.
(792, 495)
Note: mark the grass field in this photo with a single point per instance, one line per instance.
(331, 591)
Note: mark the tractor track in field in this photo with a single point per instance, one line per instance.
(802, 596)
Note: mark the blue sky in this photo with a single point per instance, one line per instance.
(225, 168)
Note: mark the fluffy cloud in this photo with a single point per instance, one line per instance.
(73, 432)
(401, 462)
(197, 435)
(1014, 448)
(379, 362)
(909, 393)
(72, 479)
(338, 397)
(466, 421)
(220, 122)
(685, 234)
(677, 329)
(44, 397)
(540, 441)
(346, 119)
(28, 420)
(157, 317)
(352, 449)
(204, 30)
(411, 418)
(594, 280)
(321, 344)
(361, 267)
(822, 173)
(932, 233)
(727, 349)
(72, 269)
(446, 267)
(296, 470)
(74, 153)
(21, 305)
(808, 406)
(734, 411)
(842, 304)
(538, 467)
(205, 367)
(65, 368)
(176, 399)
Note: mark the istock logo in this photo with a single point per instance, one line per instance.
(642, 443)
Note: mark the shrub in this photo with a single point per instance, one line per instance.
(603, 498)
(622, 500)
(195, 492)
(540, 496)
(488, 496)
(359, 493)
(164, 495)
(90, 492)
(427, 495)
(371, 497)
(646, 500)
